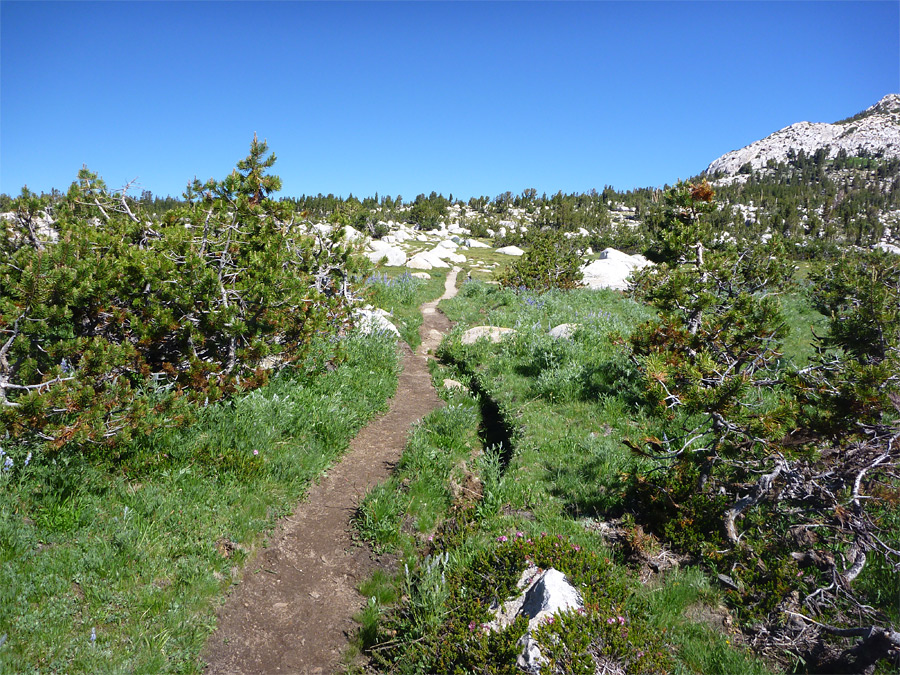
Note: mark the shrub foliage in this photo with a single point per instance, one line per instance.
(782, 479)
(551, 261)
(110, 320)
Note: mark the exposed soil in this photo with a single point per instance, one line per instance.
(292, 611)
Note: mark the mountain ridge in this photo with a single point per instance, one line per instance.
(874, 132)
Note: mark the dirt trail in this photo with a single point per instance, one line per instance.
(292, 612)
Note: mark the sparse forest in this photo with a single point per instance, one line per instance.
(711, 458)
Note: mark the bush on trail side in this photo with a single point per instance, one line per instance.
(782, 479)
(551, 261)
(110, 322)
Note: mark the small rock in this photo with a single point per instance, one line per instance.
(492, 333)
(564, 331)
(530, 658)
(370, 321)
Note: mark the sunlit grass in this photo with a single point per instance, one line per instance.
(569, 403)
(113, 564)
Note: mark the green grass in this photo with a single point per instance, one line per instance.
(134, 552)
(402, 512)
(570, 404)
(804, 321)
(394, 290)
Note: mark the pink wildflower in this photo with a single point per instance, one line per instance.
(502, 538)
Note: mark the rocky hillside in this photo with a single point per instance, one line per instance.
(875, 132)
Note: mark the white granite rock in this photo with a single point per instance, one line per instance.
(615, 254)
(890, 248)
(492, 333)
(370, 321)
(391, 255)
(543, 595)
(350, 234)
(426, 258)
(530, 658)
(418, 263)
(511, 250)
(607, 274)
(564, 331)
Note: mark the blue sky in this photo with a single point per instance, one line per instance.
(468, 98)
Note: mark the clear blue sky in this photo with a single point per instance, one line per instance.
(403, 98)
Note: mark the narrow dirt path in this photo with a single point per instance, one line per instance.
(292, 612)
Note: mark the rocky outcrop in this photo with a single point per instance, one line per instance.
(875, 131)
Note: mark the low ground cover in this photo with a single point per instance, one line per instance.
(394, 290)
(113, 563)
(539, 495)
(114, 567)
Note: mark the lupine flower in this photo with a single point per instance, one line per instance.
(27, 459)
(93, 635)
(7, 464)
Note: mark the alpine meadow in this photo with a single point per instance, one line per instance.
(657, 430)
